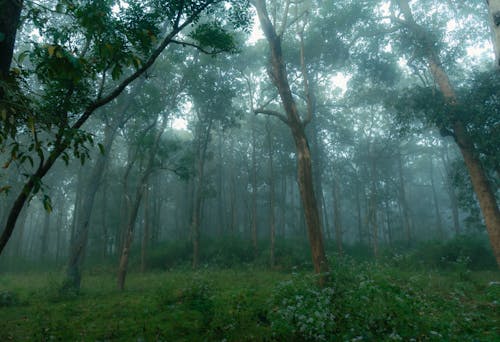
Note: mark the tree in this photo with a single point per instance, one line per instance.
(75, 80)
(212, 91)
(297, 126)
(451, 123)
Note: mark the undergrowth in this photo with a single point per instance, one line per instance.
(448, 295)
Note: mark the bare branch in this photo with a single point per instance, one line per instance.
(281, 31)
(275, 113)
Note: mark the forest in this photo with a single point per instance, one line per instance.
(249, 170)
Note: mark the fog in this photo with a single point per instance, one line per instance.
(297, 145)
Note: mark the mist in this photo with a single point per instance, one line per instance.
(249, 170)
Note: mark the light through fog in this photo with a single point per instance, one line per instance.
(162, 180)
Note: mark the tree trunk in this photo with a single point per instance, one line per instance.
(293, 120)
(439, 224)
(272, 219)
(220, 182)
(358, 212)
(202, 145)
(104, 212)
(234, 208)
(479, 179)
(83, 211)
(337, 219)
(9, 21)
(254, 195)
(283, 209)
(402, 200)
(59, 227)
(146, 230)
(494, 15)
(373, 208)
(451, 191)
(44, 249)
(388, 223)
(129, 234)
(134, 209)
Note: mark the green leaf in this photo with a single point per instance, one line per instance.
(116, 72)
(101, 148)
(47, 203)
(22, 56)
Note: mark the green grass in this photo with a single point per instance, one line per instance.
(364, 301)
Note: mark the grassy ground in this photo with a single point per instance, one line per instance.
(363, 301)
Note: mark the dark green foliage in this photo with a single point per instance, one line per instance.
(213, 35)
(301, 310)
(469, 252)
(373, 302)
(364, 300)
(8, 298)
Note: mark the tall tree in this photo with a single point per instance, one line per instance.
(456, 127)
(293, 120)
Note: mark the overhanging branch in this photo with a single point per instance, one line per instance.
(270, 112)
(184, 44)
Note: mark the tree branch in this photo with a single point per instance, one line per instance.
(275, 113)
(212, 53)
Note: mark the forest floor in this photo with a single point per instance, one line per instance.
(363, 301)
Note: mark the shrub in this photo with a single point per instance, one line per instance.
(301, 310)
(464, 252)
(8, 298)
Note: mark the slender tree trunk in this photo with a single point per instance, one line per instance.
(104, 211)
(220, 182)
(44, 249)
(283, 208)
(59, 228)
(146, 230)
(202, 145)
(373, 208)
(439, 224)
(304, 163)
(234, 208)
(358, 211)
(451, 190)
(337, 219)
(139, 192)
(129, 235)
(388, 223)
(83, 211)
(254, 194)
(402, 200)
(478, 176)
(272, 219)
